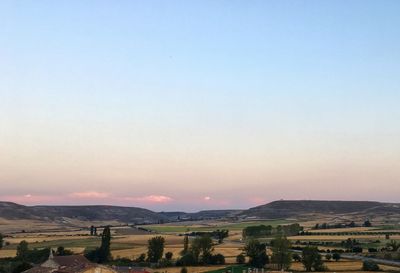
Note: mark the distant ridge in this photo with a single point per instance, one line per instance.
(132, 215)
(275, 210)
(14, 211)
(295, 208)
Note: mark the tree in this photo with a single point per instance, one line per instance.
(257, 231)
(61, 251)
(1, 240)
(393, 245)
(22, 250)
(186, 260)
(312, 259)
(217, 259)
(169, 256)
(21, 267)
(281, 255)
(221, 235)
(92, 231)
(370, 266)
(185, 245)
(328, 257)
(155, 249)
(367, 223)
(240, 259)
(202, 248)
(296, 257)
(141, 258)
(104, 250)
(256, 252)
(336, 256)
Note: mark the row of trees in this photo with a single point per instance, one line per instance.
(352, 224)
(282, 255)
(264, 230)
(199, 251)
(219, 234)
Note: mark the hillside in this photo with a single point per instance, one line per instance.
(12, 211)
(201, 215)
(299, 208)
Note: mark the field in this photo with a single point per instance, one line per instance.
(131, 242)
(210, 226)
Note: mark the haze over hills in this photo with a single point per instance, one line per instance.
(274, 210)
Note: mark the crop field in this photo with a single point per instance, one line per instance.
(130, 242)
(210, 226)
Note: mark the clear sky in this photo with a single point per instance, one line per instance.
(199, 104)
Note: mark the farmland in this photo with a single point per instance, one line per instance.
(132, 242)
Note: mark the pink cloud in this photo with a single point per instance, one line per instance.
(255, 200)
(90, 194)
(29, 199)
(151, 199)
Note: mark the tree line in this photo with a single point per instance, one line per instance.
(268, 230)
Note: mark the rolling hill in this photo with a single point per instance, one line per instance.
(12, 211)
(298, 208)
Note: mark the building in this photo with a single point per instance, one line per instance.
(69, 264)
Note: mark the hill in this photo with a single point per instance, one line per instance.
(12, 211)
(301, 208)
(100, 213)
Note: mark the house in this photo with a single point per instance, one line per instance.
(69, 264)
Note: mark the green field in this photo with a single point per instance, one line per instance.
(233, 226)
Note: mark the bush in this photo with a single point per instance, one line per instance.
(23, 266)
(184, 270)
(121, 262)
(328, 257)
(296, 257)
(370, 266)
(240, 259)
(187, 259)
(217, 259)
(336, 256)
(169, 255)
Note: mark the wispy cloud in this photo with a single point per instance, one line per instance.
(90, 195)
(151, 199)
(256, 200)
(29, 199)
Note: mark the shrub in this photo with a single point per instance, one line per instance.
(370, 266)
(240, 259)
(328, 257)
(187, 259)
(23, 266)
(296, 257)
(217, 259)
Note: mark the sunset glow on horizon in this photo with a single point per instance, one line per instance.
(199, 105)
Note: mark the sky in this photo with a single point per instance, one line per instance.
(190, 105)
